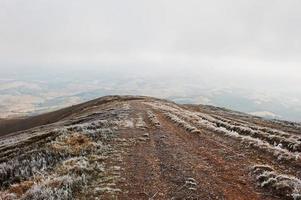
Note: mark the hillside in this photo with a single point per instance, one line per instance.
(132, 147)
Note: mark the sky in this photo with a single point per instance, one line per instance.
(251, 45)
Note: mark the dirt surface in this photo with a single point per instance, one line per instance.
(159, 167)
(160, 150)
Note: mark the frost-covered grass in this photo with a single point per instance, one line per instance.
(34, 178)
(284, 146)
(248, 137)
(274, 137)
(19, 167)
(26, 165)
(63, 160)
(257, 142)
(285, 186)
(153, 119)
(54, 186)
(289, 142)
(182, 123)
(140, 123)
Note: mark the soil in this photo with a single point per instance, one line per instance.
(143, 160)
(160, 166)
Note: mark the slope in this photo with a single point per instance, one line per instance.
(146, 148)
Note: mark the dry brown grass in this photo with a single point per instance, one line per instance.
(21, 188)
(74, 144)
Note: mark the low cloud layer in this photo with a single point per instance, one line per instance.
(80, 32)
(250, 45)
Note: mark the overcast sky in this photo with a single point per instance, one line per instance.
(252, 44)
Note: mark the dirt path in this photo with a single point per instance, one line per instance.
(171, 163)
(144, 148)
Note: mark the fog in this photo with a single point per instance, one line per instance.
(250, 49)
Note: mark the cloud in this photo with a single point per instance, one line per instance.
(266, 114)
(56, 32)
(253, 45)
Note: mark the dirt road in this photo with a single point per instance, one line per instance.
(140, 148)
(171, 163)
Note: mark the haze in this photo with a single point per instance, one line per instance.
(238, 54)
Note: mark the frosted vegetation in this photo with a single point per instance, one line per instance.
(140, 123)
(284, 146)
(281, 184)
(153, 119)
(68, 159)
(64, 162)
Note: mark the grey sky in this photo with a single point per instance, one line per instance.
(117, 31)
(226, 43)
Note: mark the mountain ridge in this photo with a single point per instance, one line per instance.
(137, 147)
(11, 125)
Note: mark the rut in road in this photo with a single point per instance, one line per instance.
(173, 164)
